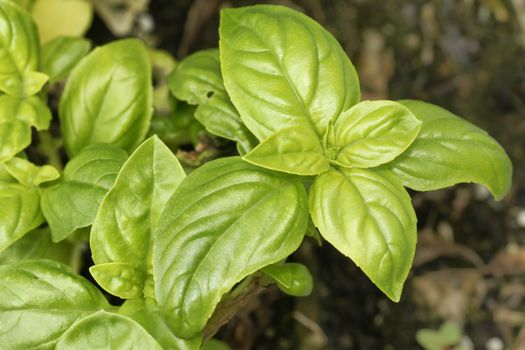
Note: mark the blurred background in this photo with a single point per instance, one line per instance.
(467, 286)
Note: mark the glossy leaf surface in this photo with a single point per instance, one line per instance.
(127, 218)
(146, 312)
(372, 133)
(295, 150)
(106, 331)
(73, 203)
(226, 220)
(61, 55)
(19, 212)
(292, 278)
(198, 81)
(41, 299)
(281, 68)
(450, 150)
(367, 215)
(108, 98)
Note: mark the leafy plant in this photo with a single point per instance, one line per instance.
(181, 250)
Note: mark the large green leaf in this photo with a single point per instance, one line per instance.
(198, 81)
(61, 55)
(73, 203)
(19, 52)
(295, 150)
(450, 150)
(367, 215)
(39, 300)
(30, 174)
(122, 234)
(281, 68)
(146, 312)
(226, 220)
(19, 212)
(17, 115)
(108, 98)
(371, 133)
(106, 331)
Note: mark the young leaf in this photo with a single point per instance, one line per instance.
(19, 212)
(17, 115)
(295, 150)
(44, 297)
(147, 314)
(450, 150)
(372, 133)
(122, 233)
(104, 330)
(61, 55)
(73, 203)
(281, 68)
(367, 215)
(30, 174)
(20, 52)
(292, 278)
(226, 220)
(108, 98)
(198, 81)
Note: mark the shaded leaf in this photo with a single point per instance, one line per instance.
(292, 278)
(73, 203)
(60, 56)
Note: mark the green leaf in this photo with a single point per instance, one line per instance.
(292, 278)
(61, 55)
(62, 18)
(39, 300)
(108, 98)
(30, 174)
(367, 215)
(17, 115)
(19, 212)
(125, 222)
(36, 245)
(146, 312)
(198, 81)
(371, 133)
(19, 52)
(73, 203)
(120, 279)
(295, 150)
(450, 150)
(104, 330)
(14, 137)
(281, 68)
(226, 220)
(215, 344)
